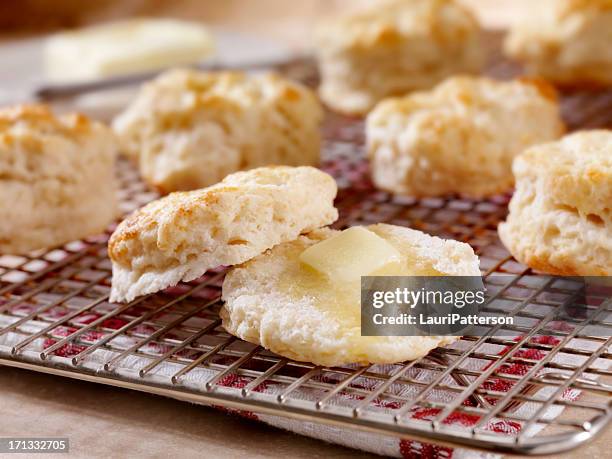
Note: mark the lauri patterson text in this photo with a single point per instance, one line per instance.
(449, 319)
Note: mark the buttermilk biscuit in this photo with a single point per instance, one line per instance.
(57, 179)
(271, 301)
(560, 219)
(566, 41)
(460, 137)
(190, 129)
(394, 47)
(181, 236)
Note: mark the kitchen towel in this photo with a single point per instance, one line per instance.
(129, 368)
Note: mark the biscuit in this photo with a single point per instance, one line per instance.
(190, 129)
(394, 47)
(265, 305)
(460, 137)
(57, 178)
(565, 41)
(560, 219)
(181, 236)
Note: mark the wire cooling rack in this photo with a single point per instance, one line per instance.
(543, 387)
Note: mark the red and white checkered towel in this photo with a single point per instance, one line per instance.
(378, 444)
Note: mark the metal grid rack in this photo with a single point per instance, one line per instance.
(55, 317)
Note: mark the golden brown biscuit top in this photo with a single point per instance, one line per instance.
(181, 98)
(387, 22)
(567, 7)
(465, 92)
(549, 15)
(576, 171)
(172, 217)
(36, 144)
(181, 89)
(174, 209)
(38, 117)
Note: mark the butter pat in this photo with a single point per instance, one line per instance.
(353, 253)
(130, 46)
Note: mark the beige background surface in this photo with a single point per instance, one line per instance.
(107, 422)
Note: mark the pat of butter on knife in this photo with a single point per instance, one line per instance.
(347, 256)
(130, 46)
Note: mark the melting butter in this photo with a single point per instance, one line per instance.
(325, 274)
(348, 255)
